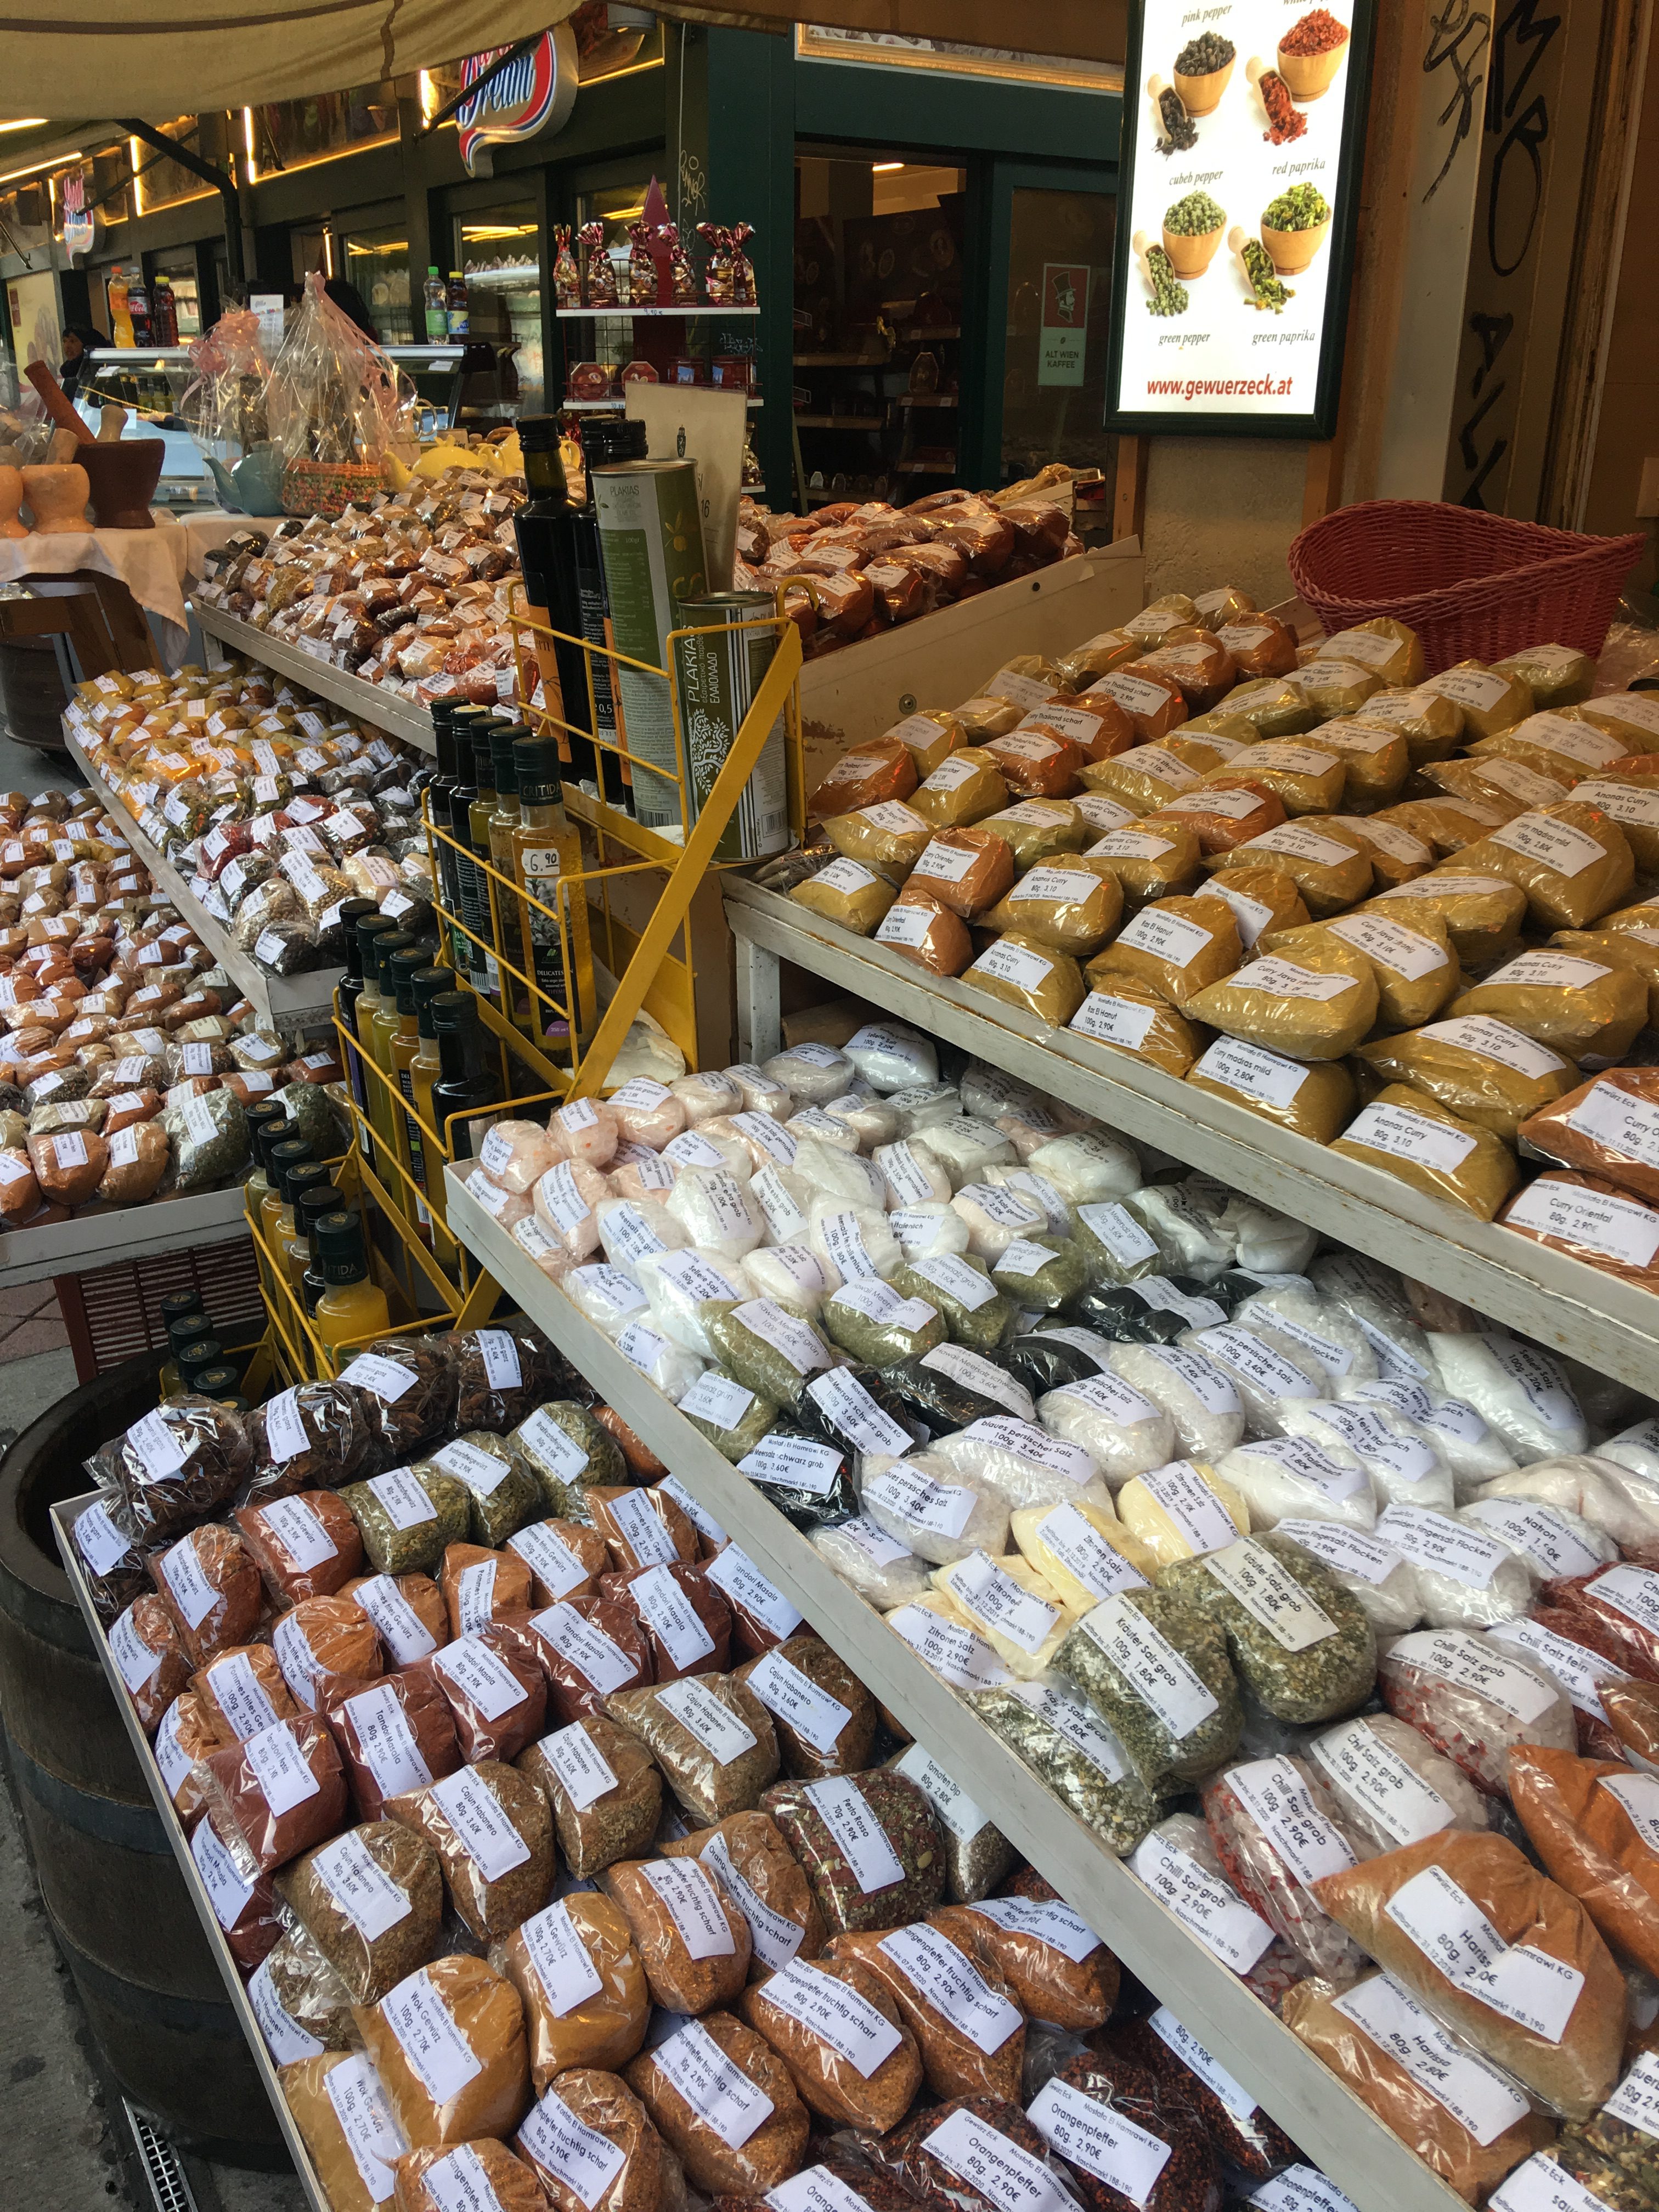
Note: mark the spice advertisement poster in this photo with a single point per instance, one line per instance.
(1243, 137)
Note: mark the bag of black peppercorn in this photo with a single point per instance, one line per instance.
(172, 1468)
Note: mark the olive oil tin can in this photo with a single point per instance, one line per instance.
(719, 674)
(650, 528)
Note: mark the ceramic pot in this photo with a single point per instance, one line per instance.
(56, 493)
(11, 498)
(258, 478)
(123, 473)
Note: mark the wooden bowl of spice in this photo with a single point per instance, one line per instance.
(1310, 54)
(1203, 69)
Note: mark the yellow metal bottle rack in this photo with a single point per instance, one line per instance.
(427, 1276)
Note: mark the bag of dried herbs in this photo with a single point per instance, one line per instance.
(711, 1736)
(210, 1139)
(407, 1519)
(1156, 1667)
(852, 1406)
(372, 1900)
(501, 1496)
(493, 1833)
(586, 2002)
(604, 1789)
(299, 2000)
(1303, 1644)
(977, 1854)
(951, 1387)
(317, 1435)
(770, 1350)
(172, 1468)
(869, 1844)
(1063, 1740)
(824, 1717)
(734, 1419)
(958, 1285)
(501, 1372)
(565, 1448)
(409, 1388)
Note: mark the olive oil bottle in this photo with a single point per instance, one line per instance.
(545, 847)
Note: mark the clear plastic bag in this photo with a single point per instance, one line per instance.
(1025, 1464)
(1182, 1510)
(1301, 1644)
(851, 1242)
(1390, 1783)
(716, 1210)
(1020, 1614)
(877, 1565)
(684, 1288)
(1472, 1699)
(891, 1057)
(1318, 1325)
(1469, 1575)
(1373, 1295)
(1089, 1168)
(1517, 1389)
(1190, 1239)
(1158, 1672)
(333, 400)
(837, 1172)
(1614, 1498)
(1199, 1395)
(1372, 1572)
(1123, 1431)
(1179, 1863)
(1281, 1478)
(941, 1514)
(1401, 1460)
(1277, 1827)
(1589, 1820)
(1473, 1452)
(1270, 1371)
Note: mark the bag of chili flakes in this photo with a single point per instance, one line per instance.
(869, 1844)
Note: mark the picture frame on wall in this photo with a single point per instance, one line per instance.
(1239, 178)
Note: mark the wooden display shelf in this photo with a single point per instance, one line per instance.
(369, 702)
(120, 1233)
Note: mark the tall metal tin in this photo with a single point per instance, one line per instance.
(719, 676)
(650, 523)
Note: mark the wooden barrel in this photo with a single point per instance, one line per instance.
(115, 1899)
(32, 693)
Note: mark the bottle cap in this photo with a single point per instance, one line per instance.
(608, 438)
(301, 1174)
(453, 1010)
(288, 1154)
(206, 1351)
(367, 930)
(219, 1383)
(315, 1200)
(340, 1247)
(272, 1134)
(539, 433)
(536, 762)
(406, 966)
(176, 1305)
(387, 949)
(429, 984)
(185, 1329)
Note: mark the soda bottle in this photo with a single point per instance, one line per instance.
(456, 304)
(437, 303)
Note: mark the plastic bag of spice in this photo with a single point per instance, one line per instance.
(210, 1586)
(397, 1736)
(693, 1942)
(946, 2157)
(1126, 2140)
(315, 1437)
(1158, 1670)
(495, 1690)
(1461, 2117)
(302, 2006)
(304, 1543)
(869, 1844)
(371, 1902)
(1243, 2136)
(1447, 1915)
(1276, 1829)
(1473, 1701)
(641, 1528)
(1632, 1712)
(1179, 1863)
(970, 2035)
(339, 2106)
(1389, 1786)
(502, 1495)
(243, 1901)
(586, 2002)
(977, 1856)
(501, 1373)
(408, 1612)
(493, 1833)
(1623, 2132)
(723, 2102)
(485, 2173)
(824, 1718)
(604, 1791)
(586, 2121)
(277, 1793)
(408, 1384)
(1055, 1965)
(565, 1447)
(408, 1520)
(482, 1586)
(687, 1622)
(241, 1691)
(710, 1734)
(1591, 1821)
(146, 1646)
(586, 1647)
(326, 1644)
(1063, 1740)
(188, 1732)
(111, 1565)
(565, 1558)
(448, 2042)
(1301, 1643)
(172, 1467)
(838, 2031)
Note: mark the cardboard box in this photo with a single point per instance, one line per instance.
(940, 659)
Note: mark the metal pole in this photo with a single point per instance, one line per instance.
(223, 182)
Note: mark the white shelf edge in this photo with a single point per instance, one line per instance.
(1562, 1302)
(702, 309)
(62, 1515)
(304, 1001)
(122, 1233)
(400, 718)
(1328, 2123)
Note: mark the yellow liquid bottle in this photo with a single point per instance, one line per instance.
(317, 1199)
(364, 1007)
(306, 1175)
(381, 1027)
(292, 1153)
(503, 828)
(424, 1069)
(350, 1306)
(545, 847)
(405, 1039)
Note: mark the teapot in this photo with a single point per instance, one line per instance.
(255, 484)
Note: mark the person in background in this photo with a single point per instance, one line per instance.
(349, 301)
(79, 343)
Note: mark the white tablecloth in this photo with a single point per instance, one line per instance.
(156, 566)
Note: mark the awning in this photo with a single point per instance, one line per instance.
(176, 57)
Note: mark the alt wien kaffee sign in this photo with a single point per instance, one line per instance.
(535, 92)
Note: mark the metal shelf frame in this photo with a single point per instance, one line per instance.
(370, 702)
(1563, 1303)
(284, 1002)
(63, 1516)
(1331, 2127)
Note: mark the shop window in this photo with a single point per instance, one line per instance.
(1054, 386)
(377, 262)
(292, 134)
(498, 254)
(877, 352)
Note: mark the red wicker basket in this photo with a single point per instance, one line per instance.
(1474, 587)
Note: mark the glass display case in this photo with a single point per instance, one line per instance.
(377, 262)
(498, 252)
(149, 384)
